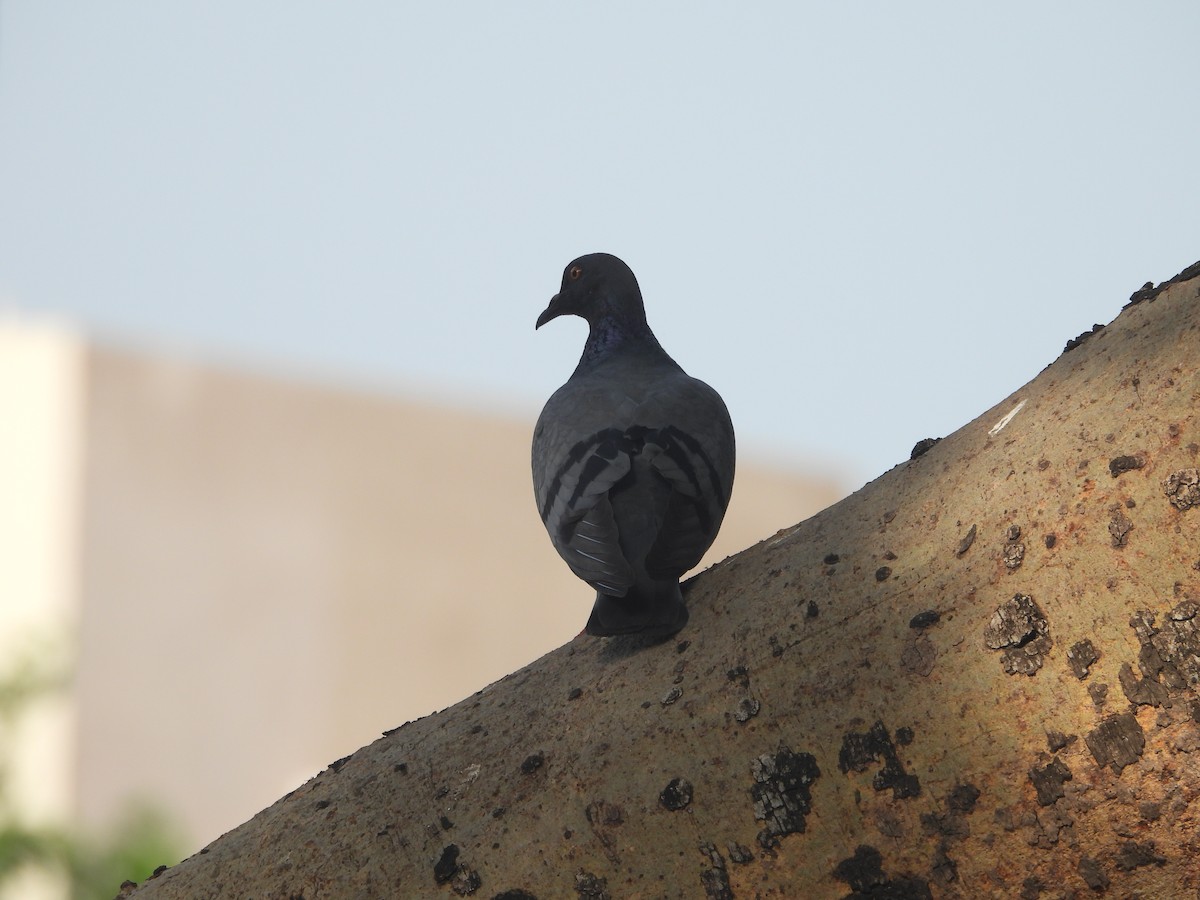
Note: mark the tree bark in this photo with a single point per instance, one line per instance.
(977, 676)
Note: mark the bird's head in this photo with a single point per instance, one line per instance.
(597, 287)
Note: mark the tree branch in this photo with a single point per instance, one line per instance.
(974, 677)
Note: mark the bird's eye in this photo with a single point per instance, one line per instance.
(575, 272)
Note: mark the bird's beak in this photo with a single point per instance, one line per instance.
(551, 312)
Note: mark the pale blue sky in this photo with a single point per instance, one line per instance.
(864, 223)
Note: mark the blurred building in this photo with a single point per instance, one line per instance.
(256, 575)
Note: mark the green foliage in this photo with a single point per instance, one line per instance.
(88, 866)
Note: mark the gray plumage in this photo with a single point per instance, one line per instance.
(633, 458)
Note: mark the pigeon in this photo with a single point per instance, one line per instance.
(633, 458)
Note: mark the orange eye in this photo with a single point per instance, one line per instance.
(575, 272)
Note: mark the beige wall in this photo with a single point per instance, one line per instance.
(273, 572)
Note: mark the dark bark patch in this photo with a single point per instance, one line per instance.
(921, 447)
(963, 798)
(1091, 873)
(747, 709)
(1056, 740)
(1119, 527)
(532, 763)
(716, 884)
(1185, 611)
(781, 791)
(1031, 888)
(1050, 825)
(1148, 291)
(965, 544)
(1118, 741)
(466, 881)
(863, 870)
(591, 887)
(1077, 341)
(715, 879)
(739, 853)
(864, 873)
(947, 825)
(860, 750)
(926, 619)
(1119, 465)
(516, 894)
(1183, 488)
(1005, 819)
(1081, 657)
(1019, 628)
(336, 765)
(943, 869)
(676, 795)
(1132, 855)
(1015, 622)
(1048, 781)
(1142, 691)
(1014, 555)
(1170, 654)
(447, 864)
(952, 822)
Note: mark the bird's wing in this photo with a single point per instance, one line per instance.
(572, 492)
(698, 465)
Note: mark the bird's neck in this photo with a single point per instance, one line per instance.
(609, 337)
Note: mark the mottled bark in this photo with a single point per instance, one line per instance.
(977, 676)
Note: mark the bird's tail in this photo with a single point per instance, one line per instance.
(657, 613)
